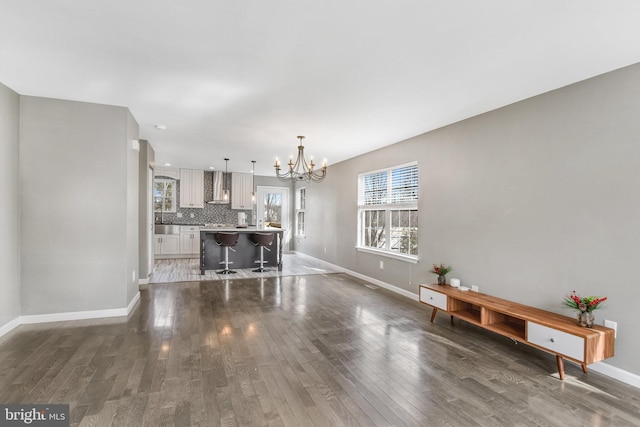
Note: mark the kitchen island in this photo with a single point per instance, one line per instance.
(245, 255)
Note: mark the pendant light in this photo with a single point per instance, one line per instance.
(253, 177)
(226, 181)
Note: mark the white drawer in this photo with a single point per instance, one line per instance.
(189, 228)
(433, 298)
(556, 341)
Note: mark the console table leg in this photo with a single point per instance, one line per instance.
(560, 361)
(584, 368)
(452, 319)
(433, 314)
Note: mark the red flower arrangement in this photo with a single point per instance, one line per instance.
(586, 304)
(441, 269)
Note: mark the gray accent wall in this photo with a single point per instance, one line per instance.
(79, 206)
(9, 205)
(529, 202)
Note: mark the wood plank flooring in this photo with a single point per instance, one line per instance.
(314, 350)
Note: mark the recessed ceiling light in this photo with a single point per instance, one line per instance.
(167, 164)
(212, 167)
(161, 127)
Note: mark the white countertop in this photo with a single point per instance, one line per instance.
(240, 229)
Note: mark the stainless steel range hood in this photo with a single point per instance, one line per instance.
(217, 183)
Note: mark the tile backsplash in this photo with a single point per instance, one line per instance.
(210, 214)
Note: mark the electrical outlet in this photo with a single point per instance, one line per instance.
(325, 249)
(179, 214)
(381, 265)
(191, 215)
(474, 288)
(613, 325)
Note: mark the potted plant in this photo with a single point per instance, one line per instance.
(441, 270)
(585, 306)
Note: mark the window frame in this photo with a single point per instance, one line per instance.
(166, 182)
(384, 202)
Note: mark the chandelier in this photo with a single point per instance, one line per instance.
(301, 170)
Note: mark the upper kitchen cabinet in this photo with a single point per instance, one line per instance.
(241, 189)
(191, 188)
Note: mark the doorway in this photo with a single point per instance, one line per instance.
(272, 210)
(150, 222)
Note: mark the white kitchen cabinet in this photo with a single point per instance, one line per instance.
(166, 244)
(189, 240)
(241, 189)
(191, 188)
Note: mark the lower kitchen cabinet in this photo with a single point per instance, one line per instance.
(189, 240)
(166, 244)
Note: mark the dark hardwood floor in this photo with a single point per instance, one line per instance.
(297, 350)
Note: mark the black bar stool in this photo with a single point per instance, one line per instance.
(263, 240)
(226, 239)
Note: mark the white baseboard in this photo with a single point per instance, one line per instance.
(143, 281)
(601, 367)
(617, 373)
(10, 326)
(376, 282)
(75, 315)
(133, 303)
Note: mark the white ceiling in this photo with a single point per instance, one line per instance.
(242, 78)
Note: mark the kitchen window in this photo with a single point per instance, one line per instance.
(388, 211)
(301, 204)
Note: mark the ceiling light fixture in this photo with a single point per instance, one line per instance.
(301, 170)
(161, 127)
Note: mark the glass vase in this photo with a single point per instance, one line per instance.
(442, 280)
(585, 319)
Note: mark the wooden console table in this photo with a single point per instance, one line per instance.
(551, 332)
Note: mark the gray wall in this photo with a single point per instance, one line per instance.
(529, 202)
(133, 196)
(78, 176)
(9, 205)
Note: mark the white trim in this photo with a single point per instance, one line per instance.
(601, 367)
(617, 373)
(401, 257)
(10, 326)
(75, 315)
(134, 302)
(143, 281)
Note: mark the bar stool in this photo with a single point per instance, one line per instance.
(226, 240)
(263, 240)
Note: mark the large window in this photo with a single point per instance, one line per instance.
(388, 211)
(301, 204)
